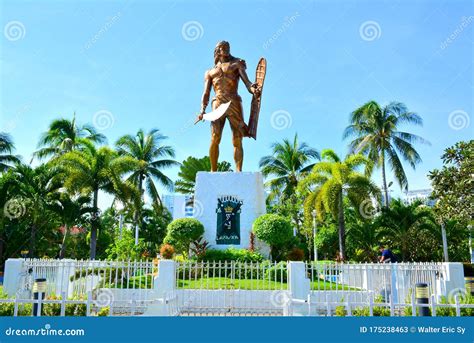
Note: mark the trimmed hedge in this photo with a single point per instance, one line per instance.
(231, 254)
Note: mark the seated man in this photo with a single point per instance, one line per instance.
(387, 255)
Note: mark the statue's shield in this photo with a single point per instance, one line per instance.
(256, 99)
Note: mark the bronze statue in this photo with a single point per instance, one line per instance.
(224, 78)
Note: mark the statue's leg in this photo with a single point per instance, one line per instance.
(239, 130)
(216, 133)
(238, 153)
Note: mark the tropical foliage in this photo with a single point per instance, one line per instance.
(189, 169)
(378, 136)
(285, 167)
(55, 207)
(332, 180)
(65, 135)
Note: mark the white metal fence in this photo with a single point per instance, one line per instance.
(396, 280)
(456, 305)
(124, 286)
(236, 288)
(231, 288)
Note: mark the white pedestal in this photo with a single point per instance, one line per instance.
(246, 187)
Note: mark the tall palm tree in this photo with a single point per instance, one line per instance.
(71, 211)
(378, 136)
(152, 158)
(331, 180)
(6, 149)
(287, 164)
(91, 170)
(401, 223)
(35, 189)
(65, 135)
(189, 169)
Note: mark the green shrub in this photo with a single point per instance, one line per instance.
(231, 254)
(341, 311)
(378, 311)
(181, 232)
(6, 309)
(51, 309)
(274, 230)
(104, 312)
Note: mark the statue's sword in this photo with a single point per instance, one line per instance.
(216, 114)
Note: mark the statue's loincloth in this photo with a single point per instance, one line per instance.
(234, 114)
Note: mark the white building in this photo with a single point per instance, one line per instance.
(419, 194)
(179, 205)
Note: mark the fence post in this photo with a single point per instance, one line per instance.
(163, 285)
(63, 304)
(298, 284)
(11, 278)
(458, 305)
(88, 303)
(15, 309)
(392, 306)
(348, 305)
(433, 305)
(371, 303)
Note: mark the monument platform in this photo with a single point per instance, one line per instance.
(227, 204)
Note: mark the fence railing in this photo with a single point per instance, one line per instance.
(458, 305)
(232, 287)
(117, 283)
(396, 280)
(88, 306)
(77, 277)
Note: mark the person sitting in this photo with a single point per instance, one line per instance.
(386, 255)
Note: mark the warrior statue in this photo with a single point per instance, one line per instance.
(224, 79)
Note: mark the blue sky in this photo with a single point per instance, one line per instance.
(140, 64)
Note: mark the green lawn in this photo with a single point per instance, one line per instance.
(227, 283)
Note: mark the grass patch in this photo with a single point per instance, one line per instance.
(249, 284)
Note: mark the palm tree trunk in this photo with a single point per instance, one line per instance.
(342, 229)
(384, 180)
(137, 215)
(63, 246)
(94, 223)
(32, 240)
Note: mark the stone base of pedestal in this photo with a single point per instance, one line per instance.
(227, 204)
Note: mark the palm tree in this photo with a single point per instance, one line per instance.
(287, 165)
(6, 149)
(91, 170)
(152, 158)
(401, 223)
(364, 235)
(327, 184)
(378, 137)
(189, 169)
(65, 135)
(35, 189)
(70, 210)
